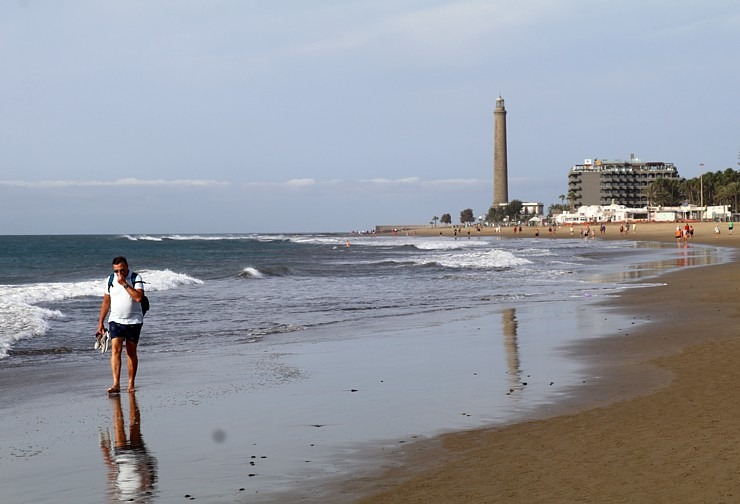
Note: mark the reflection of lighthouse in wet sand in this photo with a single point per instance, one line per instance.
(500, 161)
(512, 349)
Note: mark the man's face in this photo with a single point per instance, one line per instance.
(121, 270)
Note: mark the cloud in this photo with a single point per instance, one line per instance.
(304, 182)
(410, 183)
(127, 182)
(301, 183)
(407, 181)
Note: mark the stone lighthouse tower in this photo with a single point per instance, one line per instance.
(500, 163)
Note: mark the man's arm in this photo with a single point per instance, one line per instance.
(104, 309)
(136, 294)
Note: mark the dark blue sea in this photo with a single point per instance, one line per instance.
(240, 289)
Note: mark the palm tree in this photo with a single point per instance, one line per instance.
(650, 191)
(435, 219)
(669, 191)
(562, 200)
(729, 192)
(572, 199)
(691, 188)
(734, 189)
(555, 208)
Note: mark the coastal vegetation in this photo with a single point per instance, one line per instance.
(710, 188)
(467, 216)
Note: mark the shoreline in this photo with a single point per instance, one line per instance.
(660, 427)
(645, 231)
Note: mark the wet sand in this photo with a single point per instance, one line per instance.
(664, 429)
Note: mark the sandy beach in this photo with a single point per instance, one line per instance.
(665, 429)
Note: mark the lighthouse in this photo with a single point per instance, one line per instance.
(500, 164)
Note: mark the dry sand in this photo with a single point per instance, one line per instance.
(667, 429)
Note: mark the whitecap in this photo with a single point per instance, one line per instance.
(252, 273)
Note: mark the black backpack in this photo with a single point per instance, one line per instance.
(144, 300)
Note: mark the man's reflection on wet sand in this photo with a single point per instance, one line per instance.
(132, 470)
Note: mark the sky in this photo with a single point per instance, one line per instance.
(242, 116)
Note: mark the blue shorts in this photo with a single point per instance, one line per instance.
(129, 332)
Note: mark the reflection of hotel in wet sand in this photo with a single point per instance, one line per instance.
(511, 345)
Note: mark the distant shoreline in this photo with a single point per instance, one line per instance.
(644, 231)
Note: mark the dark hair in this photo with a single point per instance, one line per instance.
(119, 260)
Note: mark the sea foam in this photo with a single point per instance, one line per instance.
(22, 318)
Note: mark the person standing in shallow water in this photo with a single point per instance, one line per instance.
(122, 305)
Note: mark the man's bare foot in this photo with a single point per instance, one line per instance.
(131, 389)
(114, 390)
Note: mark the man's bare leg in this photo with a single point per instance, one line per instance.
(115, 364)
(133, 364)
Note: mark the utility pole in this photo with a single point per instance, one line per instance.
(701, 189)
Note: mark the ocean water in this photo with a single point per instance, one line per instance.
(244, 288)
(294, 348)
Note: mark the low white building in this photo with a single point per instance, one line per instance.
(621, 213)
(600, 213)
(533, 208)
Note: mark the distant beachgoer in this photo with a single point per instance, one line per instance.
(729, 226)
(536, 232)
(677, 234)
(122, 298)
(716, 230)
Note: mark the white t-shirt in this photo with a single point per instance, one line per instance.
(123, 309)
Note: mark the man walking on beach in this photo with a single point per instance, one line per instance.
(122, 298)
